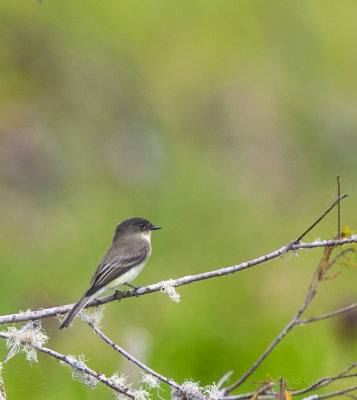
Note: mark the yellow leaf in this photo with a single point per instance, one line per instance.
(347, 232)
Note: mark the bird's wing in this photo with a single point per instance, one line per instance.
(112, 266)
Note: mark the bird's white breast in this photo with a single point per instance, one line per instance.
(125, 278)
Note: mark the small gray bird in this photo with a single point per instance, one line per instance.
(124, 260)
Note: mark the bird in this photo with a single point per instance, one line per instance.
(123, 261)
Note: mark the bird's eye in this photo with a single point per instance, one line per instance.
(142, 226)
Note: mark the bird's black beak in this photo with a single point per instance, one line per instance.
(154, 227)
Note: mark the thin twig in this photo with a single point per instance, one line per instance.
(327, 315)
(338, 207)
(333, 394)
(224, 378)
(326, 381)
(320, 218)
(141, 365)
(75, 365)
(320, 383)
(246, 396)
(185, 280)
(348, 369)
(251, 395)
(339, 255)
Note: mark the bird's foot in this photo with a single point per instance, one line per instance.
(117, 295)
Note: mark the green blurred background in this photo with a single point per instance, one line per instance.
(225, 122)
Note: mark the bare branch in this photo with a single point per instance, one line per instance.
(338, 206)
(316, 279)
(258, 394)
(327, 315)
(326, 381)
(75, 365)
(334, 394)
(320, 218)
(272, 346)
(141, 365)
(320, 383)
(224, 378)
(185, 280)
(339, 255)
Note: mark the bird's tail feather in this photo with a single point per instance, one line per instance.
(75, 310)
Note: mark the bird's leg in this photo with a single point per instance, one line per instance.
(117, 294)
(136, 288)
(132, 286)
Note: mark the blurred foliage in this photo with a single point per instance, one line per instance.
(224, 122)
